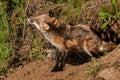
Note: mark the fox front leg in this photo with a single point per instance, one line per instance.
(63, 60)
(57, 61)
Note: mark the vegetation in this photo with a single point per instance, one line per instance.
(5, 49)
(72, 10)
(108, 16)
(35, 51)
(92, 70)
(8, 30)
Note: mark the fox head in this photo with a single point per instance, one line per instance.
(40, 22)
(44, 21)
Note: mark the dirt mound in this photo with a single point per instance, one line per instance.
(41, 70)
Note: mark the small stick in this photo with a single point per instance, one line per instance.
(28, 2)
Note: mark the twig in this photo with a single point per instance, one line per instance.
(24, 18)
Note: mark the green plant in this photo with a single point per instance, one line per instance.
(108, 16)
(71, 14)
(5, 49)
(36, 50)
(7, 30)
(93, 70)
(76, 3)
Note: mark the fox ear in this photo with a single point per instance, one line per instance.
(45, 26)
(50, 13)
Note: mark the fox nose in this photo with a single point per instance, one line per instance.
(30, 20)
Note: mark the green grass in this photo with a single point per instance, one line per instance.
(92, 70)
(72, 13)
(8, 30)
(105, 14)
(5, 49)
(35, 51)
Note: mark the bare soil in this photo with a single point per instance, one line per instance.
(41, 70)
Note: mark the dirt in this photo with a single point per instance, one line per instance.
(40, 69)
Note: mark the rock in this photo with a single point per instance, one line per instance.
(110, 74)
(50, 54)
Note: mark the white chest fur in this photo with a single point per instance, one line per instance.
(51, 39)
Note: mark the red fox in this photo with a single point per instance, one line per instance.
(66, 38)
(53, 35)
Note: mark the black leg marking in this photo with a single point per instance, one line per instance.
(57, 61)
(62, 65)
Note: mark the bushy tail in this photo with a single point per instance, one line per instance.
(107, 46)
